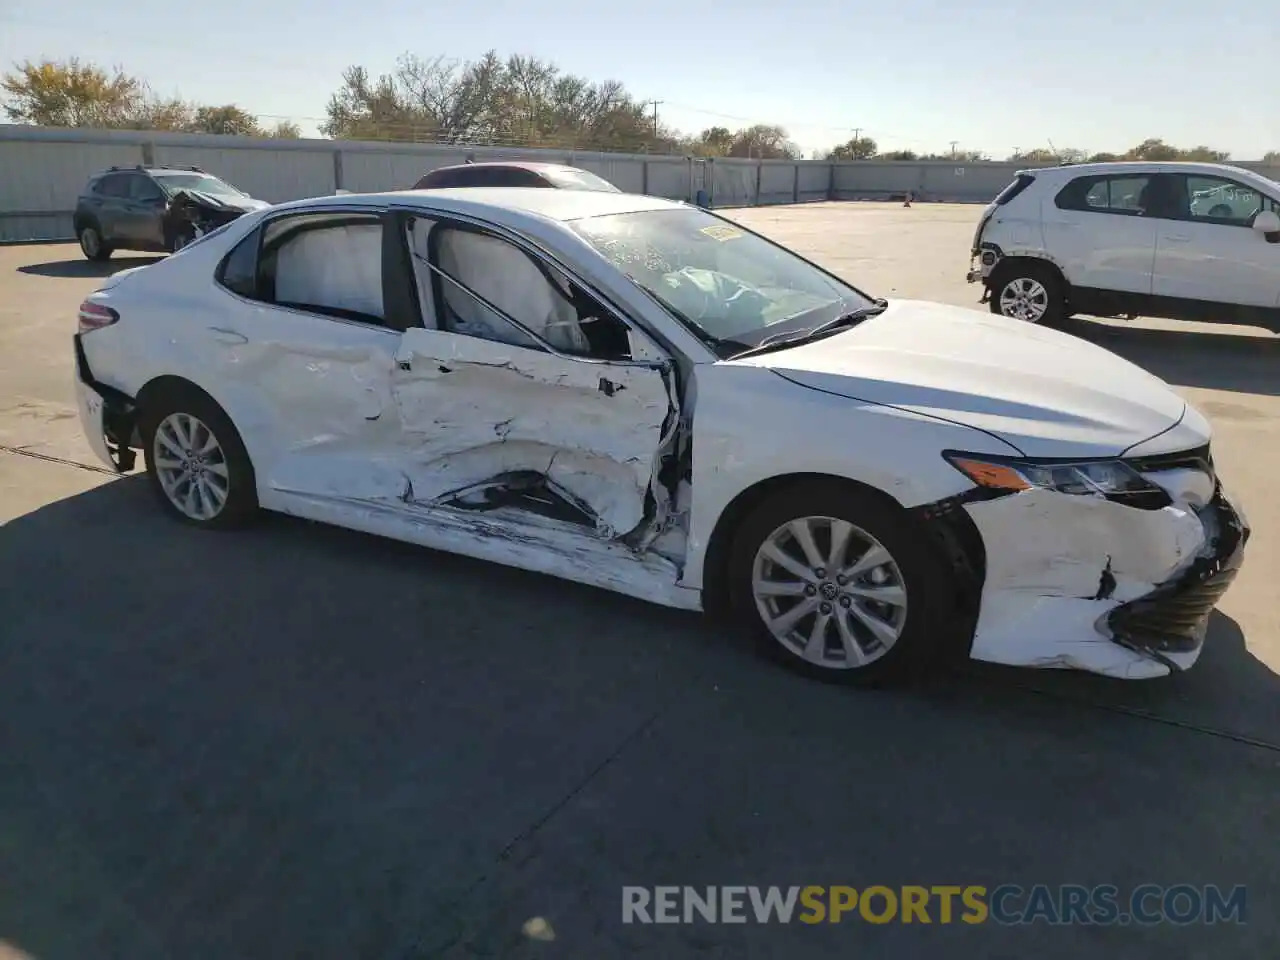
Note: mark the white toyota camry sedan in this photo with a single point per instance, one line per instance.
(643, 396)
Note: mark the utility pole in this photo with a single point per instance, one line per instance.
(953, 148)
(655, 115)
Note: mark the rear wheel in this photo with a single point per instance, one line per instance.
(91, 243)
(837, 583)
(196, 461)
(1030, 292)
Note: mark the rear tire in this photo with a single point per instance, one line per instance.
(197, 465)
(873, 608)
(1031, 292)
(91, 243)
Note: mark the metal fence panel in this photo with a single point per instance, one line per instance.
(777, 182)
(43, 169)
(869, 180)
(815, 181)
(274, 175)
(733, 183)
(368, 171)
(669, 178)
(39, 183)
(626, 174)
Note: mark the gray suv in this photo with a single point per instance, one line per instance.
(159, 209)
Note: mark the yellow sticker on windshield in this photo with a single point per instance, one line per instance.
(721, 233)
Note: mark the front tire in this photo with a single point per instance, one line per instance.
(838, 583)
(1030, 292)
(196, 462)
(183, 234)
(92, 245)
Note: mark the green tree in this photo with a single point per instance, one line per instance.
(763, 141)
(712, 142)
(1271, 156)
(900, 155)
(856, 148)
(228, 120)
(70, 93)
(1153, 149)
(521, 100)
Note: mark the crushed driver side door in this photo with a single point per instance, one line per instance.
(525, 396)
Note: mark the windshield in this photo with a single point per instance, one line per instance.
(201, 182)
(579, 180)
(733, 288)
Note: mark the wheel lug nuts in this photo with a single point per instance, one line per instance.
(846, 602)
(825, 608)
(842, 580)
(810, 590)
(820, 572)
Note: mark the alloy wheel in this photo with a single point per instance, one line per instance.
(829, 592)
(191, 466)
(1024, 298)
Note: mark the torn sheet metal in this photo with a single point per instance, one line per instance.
(203, 211)
(514, 538)
(472, 407)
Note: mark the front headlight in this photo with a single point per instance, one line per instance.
(1109, 479)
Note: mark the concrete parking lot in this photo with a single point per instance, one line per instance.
(302, 742)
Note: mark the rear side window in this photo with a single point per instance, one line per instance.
(1125, 195)
(1020, 183)
(437, 179)
(114, 185)
(330, 264)
(239, 270)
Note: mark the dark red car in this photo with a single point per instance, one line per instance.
(514, 173)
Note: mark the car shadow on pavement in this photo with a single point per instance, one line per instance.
(1246, 363)
(85, 268)
(296, 740)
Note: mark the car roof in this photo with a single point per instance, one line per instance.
(103, 173)
(1135, 166)
(538, 166)
(561, 205)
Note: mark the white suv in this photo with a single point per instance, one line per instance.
(1186, 241)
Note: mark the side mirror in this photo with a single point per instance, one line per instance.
(1267, 222)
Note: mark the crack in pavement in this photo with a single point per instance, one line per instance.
(417, 948)
(24, 452)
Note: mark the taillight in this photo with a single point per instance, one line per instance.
(94, 316)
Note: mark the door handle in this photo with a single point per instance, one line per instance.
(1178, 237)
(223, 335)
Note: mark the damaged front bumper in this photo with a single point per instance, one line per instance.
(1087, 584)
(108, 416)
(1169, 623)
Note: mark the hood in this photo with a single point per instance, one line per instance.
(244, 204)
(1046, 393)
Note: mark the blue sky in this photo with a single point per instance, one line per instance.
(994, 75)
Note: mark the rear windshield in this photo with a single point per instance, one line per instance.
(574, 179)
(1020, 183)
